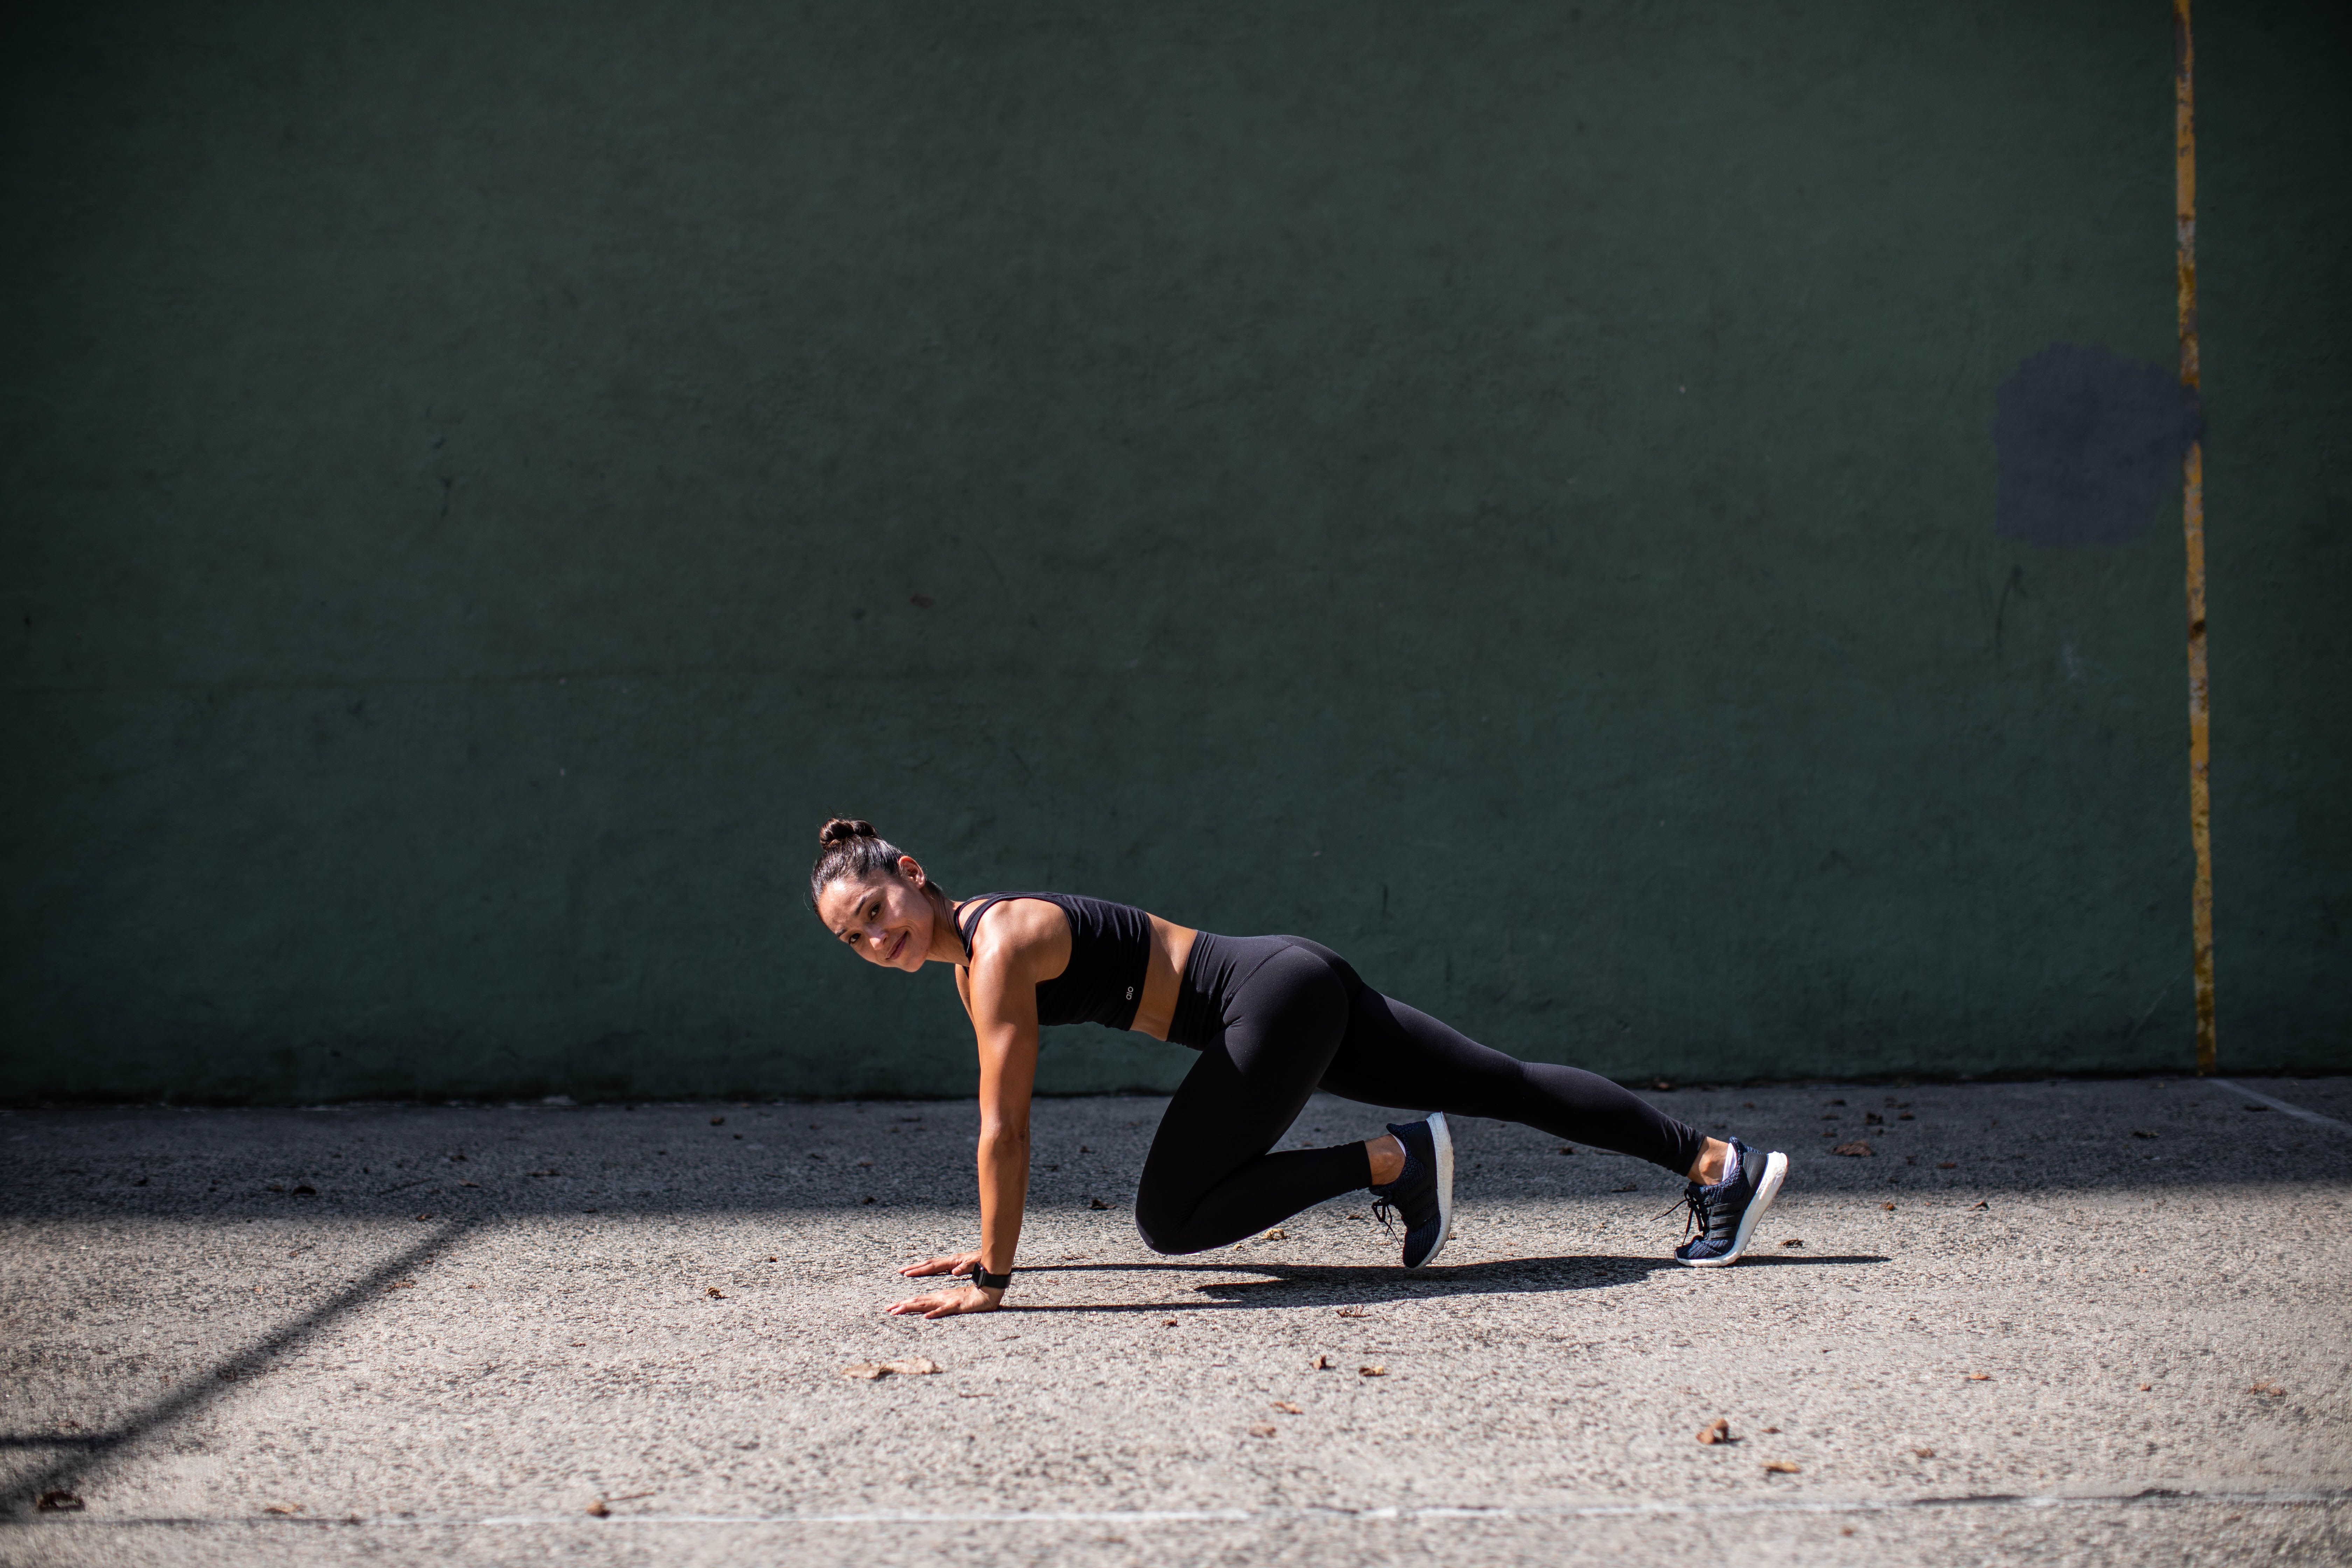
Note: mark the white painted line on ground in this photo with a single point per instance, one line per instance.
(1591, 1510)
(2153, 1497)
(1565, 1511)
(2279, 1104)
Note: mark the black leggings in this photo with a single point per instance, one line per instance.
(1277, 1017)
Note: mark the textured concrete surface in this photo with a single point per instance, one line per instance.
(2113, 1329)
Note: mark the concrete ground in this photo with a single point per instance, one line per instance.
(2068, 1321)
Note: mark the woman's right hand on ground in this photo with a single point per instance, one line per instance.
(948, 1303)
(962, 1263)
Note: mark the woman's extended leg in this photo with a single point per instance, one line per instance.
(1396, 1054)
(1209, 1180)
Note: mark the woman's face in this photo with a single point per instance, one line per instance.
(888, 919)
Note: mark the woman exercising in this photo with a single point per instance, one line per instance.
(1274, 1018)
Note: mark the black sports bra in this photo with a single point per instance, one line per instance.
(1110, 951)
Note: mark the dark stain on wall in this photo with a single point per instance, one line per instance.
(2089, 444)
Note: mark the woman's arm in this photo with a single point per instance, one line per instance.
(1002, 1000)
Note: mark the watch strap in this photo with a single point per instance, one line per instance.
(987, 1282)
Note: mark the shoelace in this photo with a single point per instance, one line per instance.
(1694, 1222)
(1382, 1208)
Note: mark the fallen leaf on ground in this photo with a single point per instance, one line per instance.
(287, 1508)
(912, 1367)
(864, 1164)
(1287, 1408)
(2270, 1388)
(1979, 1377)
(1778, 1468)
(1264, 1429)
(1981, 1204)
(427, 1215)
(1351, 1312)
(596, 1508)
(866, 1199)
(1715, 1431)
(1371, 1372)
(2142, 1132)
(719, 1121)
(395, 1285)
(1320, 1364)
(1568, 1148)
(1923, 1453)
(1888, 1206)
(1856, 1149)
(1948, 1165)
(1096, 1203)
(306, 1189)
(714, 1290)
(1794, 1241)
(59, 1502)
(1168, 1324)
(275, 1188)
(2144, 1387)
(470, 1183)
(1771, 1431)
(1276, 1234)
(1628, 1187)
(771, 1259)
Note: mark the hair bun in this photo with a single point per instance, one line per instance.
(844, 830)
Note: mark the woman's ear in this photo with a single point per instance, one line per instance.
(910, 869)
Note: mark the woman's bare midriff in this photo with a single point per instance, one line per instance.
(1163, 975)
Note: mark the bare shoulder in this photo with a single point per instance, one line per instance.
(1028, 937)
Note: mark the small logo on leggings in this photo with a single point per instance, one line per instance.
(1130, 992)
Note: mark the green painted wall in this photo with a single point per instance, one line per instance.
(1508, 490)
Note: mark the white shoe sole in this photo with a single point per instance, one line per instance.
(1442, 1137)
(1776, 1171)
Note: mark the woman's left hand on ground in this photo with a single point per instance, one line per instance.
(948, 1303)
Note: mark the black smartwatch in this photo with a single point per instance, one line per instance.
(987, 1282)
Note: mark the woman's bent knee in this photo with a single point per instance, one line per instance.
(1169, 1241)
(1166, 1226)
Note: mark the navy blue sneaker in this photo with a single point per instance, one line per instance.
(1423, 1192)
(1725, 1214)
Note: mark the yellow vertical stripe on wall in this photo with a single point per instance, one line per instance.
(2192, 523)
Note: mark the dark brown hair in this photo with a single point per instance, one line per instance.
(851, 849)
